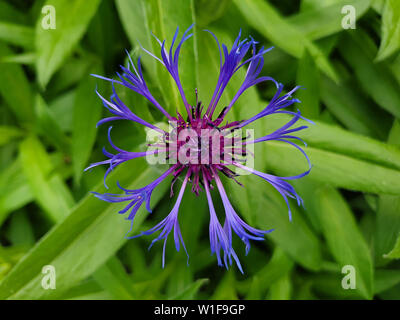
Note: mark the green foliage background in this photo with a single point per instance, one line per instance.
(47, 136)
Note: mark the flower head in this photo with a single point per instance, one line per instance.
(199, 147)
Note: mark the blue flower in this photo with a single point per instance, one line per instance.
(202, 159)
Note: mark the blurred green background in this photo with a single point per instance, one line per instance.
(48, 136)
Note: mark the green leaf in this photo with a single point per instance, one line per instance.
(352, 108)
(226, 288)
(333, 169)
(375, 78)
(307, 189)
(15, 191)
(208, 11)
(281, 289)
(96, 295)
(20, 231)
(55, 45)
(17, 34)
(387, 217)
(278, 266)
(70, 73)
(324, 21)
(191, 226)
(10, 14)
(23, 58)
(329, 285)
(100, 35)
(183, 275)
(87, 290)
(337, 140)
(254, 291)
(9, 256)
(190, 291)
(62, 108)
(344, 239)
(48, 188)
(390, 42)
(378, 5)
(395, 252)
(15, 89)
(92, 224)
(113, 278)
(264, 18)
(87, 112)
(308, 78)
(9, 133)
(307, 5)
(385, 279)
(47, 126)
